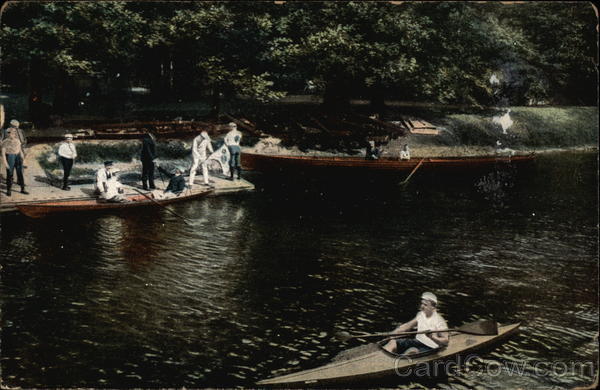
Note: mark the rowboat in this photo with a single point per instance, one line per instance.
(43, 209)
(378, 363)
(263, 162)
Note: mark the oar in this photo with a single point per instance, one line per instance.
(161, 177)
(481, 328)
(412, 172)
(186, 220)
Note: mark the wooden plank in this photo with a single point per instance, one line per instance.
(425, 131)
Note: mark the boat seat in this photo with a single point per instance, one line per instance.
(412, 355)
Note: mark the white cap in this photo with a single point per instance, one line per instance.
(14, 123)
(69, 135)
(232, 124)
(204, 134)
(430, 297)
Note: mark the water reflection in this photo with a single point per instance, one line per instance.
(258, 283)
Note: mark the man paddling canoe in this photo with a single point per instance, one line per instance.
(426, 319)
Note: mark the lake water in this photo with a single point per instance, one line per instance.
(260, 282)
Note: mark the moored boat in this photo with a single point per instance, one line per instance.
(43, 209)
(263, 162)
(379, 363)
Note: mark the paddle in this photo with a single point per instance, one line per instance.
(412, 172)
(481, 328)
(165, 207)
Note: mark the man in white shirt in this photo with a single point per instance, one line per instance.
(200, 148)
(232, 140)
(107, 185)
(427, 319)
(405, 152)
(66, 155)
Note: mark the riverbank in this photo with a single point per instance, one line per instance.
(298, 126)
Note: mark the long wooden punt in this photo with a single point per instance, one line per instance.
(264, 162)
(43, 209)
(380, 363)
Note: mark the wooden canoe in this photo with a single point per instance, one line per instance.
(264, 162)
(382, 364)
(43, 209)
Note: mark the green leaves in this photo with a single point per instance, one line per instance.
(441, 51)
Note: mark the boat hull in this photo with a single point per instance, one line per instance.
(43, 209)
(382, 364)
(262, 162)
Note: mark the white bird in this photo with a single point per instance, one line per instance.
(504, 121)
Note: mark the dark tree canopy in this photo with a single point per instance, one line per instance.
(426, 51)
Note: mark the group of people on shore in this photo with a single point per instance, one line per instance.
(107, 185)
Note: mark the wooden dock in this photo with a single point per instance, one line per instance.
(40, 191)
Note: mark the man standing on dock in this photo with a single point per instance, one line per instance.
(200, 148)
(66, 154)
(147, 157)
(232, 140)
(12, 157)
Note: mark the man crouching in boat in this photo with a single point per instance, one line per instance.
(427, 319)
(176, 185)
(107, 185)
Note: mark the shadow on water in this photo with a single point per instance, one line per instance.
(260, 283)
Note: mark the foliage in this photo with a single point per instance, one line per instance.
(428, 51)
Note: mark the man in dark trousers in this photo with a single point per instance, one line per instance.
(147, 157)
(66, 155)
(177, 184)
(232, 140)
(12, 157)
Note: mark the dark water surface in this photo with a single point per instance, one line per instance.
(261, 282)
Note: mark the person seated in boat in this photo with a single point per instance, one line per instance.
(108, 186)
(405, 152)
(373, 151)
(177, 184)
(426, 319)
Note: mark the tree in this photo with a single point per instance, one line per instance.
(55, 42)
(560, 57)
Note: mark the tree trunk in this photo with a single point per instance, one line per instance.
(38, 112)
(336, 96)
(215, 110)
(377, 104)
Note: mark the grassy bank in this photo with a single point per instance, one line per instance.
(464, 132)
(533, 127)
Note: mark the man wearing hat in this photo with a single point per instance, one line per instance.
(426, 319)
(176, 184)
(232, 140)
(66, 155)
(201, 145)
(107, 185)
(14, 125)
(12, 158)
(147, 156)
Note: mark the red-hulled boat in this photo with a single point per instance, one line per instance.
(43, 209)
(263, 162)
